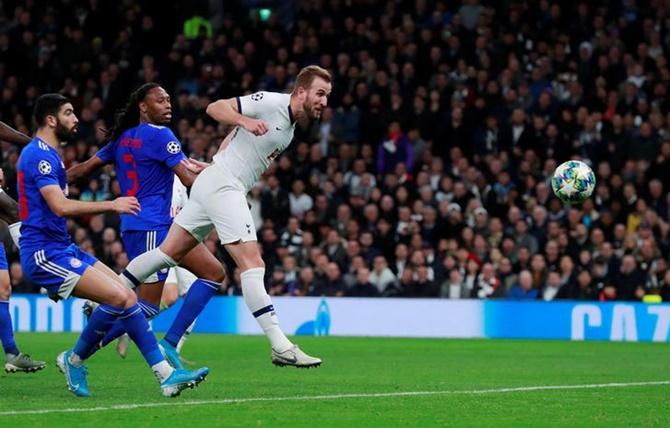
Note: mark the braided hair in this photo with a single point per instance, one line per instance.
(129, 116)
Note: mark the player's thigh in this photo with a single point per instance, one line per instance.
(245, 254)
(191, 226)
(95, 285)
(179, 242)
(108, 272)
(202, 263)
(60, 271)
(230, 214)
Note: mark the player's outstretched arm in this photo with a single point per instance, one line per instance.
(83, 169)
(226, 112)
(186, 174)
(195, 166)
(7, 133)
(64, 207)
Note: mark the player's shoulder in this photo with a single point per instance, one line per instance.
(162, 136)
(266, 97)
(37, 149)
(159, 132)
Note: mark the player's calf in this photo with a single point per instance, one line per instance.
(195, 301)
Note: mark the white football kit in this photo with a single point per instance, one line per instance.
(218, 196)
(178, 275)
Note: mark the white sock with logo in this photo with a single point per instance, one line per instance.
(162, 370)
(259, 303)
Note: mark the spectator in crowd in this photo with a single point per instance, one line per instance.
(552, 286)
(362, 287)
(453, 287)
(330, 284)
(382, 277)
(524, 289)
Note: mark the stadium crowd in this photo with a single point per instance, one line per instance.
(428, 175)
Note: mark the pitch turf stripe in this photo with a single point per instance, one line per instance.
(337, 397)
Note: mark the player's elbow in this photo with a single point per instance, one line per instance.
(213, 108)
(60, 210)
(219, 109)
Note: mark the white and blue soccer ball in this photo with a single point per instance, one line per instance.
(573, 181)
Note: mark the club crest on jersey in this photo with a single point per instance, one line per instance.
(75, 263)
(173, 147)
(44, 167)
(257, 96)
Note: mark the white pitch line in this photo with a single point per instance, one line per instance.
(335, 397)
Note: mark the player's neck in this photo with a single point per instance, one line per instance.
(144, 118)
(48, 137)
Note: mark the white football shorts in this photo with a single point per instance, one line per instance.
(218, 200)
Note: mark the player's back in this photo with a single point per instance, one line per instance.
(144, 157)
(40, 165)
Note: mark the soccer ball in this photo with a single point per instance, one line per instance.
(573, 181)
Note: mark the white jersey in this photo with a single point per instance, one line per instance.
(179, 197)
(247, 156)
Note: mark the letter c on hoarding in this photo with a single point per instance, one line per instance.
(581, 315)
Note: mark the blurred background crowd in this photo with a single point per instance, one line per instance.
(428, 175)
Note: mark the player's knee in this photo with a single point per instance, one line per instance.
(253, 262)
(212, 271)
(172, 252)
(123, 298)
(218, 274)
(131, 299)
(5, 291)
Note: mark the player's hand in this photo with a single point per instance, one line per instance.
(2, 178)
(194, 165)
(255, 126)
(126, 205)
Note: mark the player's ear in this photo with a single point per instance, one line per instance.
(302, 93)
(142, 106)
(51, 120)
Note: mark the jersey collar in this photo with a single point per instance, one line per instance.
(290, 115)
(39, 140)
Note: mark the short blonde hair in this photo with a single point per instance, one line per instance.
(309, 73)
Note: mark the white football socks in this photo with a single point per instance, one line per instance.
(257, 299)
(15, 232)
(146, 264)
(162, 370)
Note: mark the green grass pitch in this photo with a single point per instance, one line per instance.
(364, 382)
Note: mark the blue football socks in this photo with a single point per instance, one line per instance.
(201, 291)
(6, 330)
